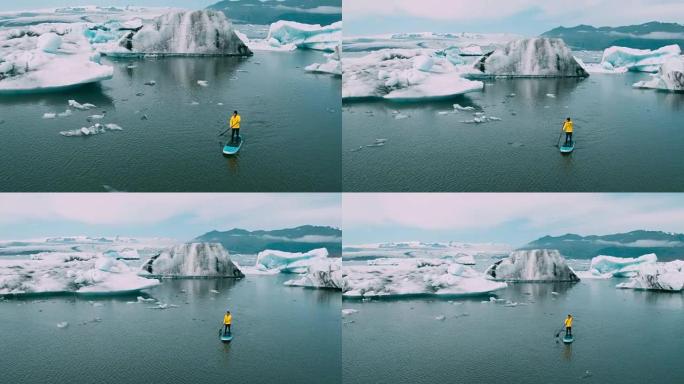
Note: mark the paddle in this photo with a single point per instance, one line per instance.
(559, 138)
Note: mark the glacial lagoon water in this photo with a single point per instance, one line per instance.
(621, 337)
(627, 139)
(170, 139)
(282, 335)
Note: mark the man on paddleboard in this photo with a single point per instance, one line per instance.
(234, 126)
(227, 320)
(568, 325)
(567, 128)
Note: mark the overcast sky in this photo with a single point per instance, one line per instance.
(179, 216)
(527, 17)
(514, 219)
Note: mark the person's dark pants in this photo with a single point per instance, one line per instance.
(568, 137)
(568, 331)
(234, 133)
(226, 326)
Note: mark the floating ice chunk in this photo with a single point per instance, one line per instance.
(49, 115)
(465, 260)
(532, 265)
(440, 318)
(471, 50)
(349, 311)
(49, 42)
(409, 277)
(657, 277)
(638, 60)
(401, 116)
(203, 83)
(610, 266)
(194, 103)
(321, 272)
(288, 262)
(96, 117)
(192, 260)
(114, 127)
(141, 299)
(65, 113)
(62, 324)
(458, 107)
(551, 95)
(531, 57)
(670, 76)
(151, 83)
(333, 66)
(289, 35)
(82, 107)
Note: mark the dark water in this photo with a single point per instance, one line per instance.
(621, 336)
(281, 335)
(291, 124)
(627, 140)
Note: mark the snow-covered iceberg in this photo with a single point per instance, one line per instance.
(414, 277)
(320, 273)
(81, 273)
(192, 260)
(273, 261)
(48, 58)
(403, 74)
(203, 32)
(535, 265)
(333, 66)
(610, 266)
(670, 76)
(289, 35)
(657, 277)
(531, 57)
(621, 59)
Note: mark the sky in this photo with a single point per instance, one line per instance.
(9, 5)
(513, 219)
(171, 215)
(526, 17)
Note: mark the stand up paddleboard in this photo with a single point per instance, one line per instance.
(227, 337)
(568, 339)
(567, 148)
(232, 147)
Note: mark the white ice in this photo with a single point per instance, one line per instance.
(610, 266)
(333, 66)
(92, 130)
(658, 277)
(670, 76)
(417, 249)
(407, 277)
(192, 260)
(289, 35)
(534, 265)
(621, 59)
(272, 261)
(321, 272)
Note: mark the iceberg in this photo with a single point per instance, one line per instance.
(657, 277)
(670, 76)
(610, 266)
(320, 273)
(80, 273)
(621, 59)
(414, 277)
(182, 33)
(273, 261)
(333, 66)
(471, 50)
(192, 260)
(403, 74)
(290, 35)
(532, 57)
(535, 265)
(465, 260)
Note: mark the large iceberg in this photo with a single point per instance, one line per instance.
(290, 35)
(203, 32)
(48, 58)
(333, 66)
(320, 273)
(535, 265)
(403, 74)
(611, 266)
(273, 261)
(657, 277)
(192, 260)
(531, 57)
(81, 273)
(670, 76)
(621, 59)
(414, 277)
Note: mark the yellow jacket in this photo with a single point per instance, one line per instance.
(227, 319)
(235, 122)
(568, 322)
(567, 127)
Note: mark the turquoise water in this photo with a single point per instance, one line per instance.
(291, 125)
(281, 335)
(621, 336)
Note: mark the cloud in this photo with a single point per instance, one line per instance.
(554, 213)
(249, 209)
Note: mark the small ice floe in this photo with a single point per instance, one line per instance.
(440, 318)
(96, 117)
(349, 311)
(554, 293)
(161, 305)
(587, 374)
(203, 83)
(459, 107)
(480, 118)
(401, 116)
(377, 143)
(97, 305)
(62, 324)
(241, 70)
(132, 66)
(113, 127)
(511, 95)
(493, 300)
(219, 103)
(141, 299)
(509, 303)
(151, 83)
(92, 130)
(49, 115)
(214, 291)
(443, 113)
(83, 107)
(194, 103)
(551, 95)
(65, 113)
